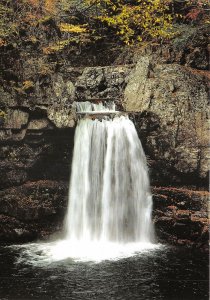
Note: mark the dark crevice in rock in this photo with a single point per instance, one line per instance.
(41, 155)
(55, 161)
(102, 86)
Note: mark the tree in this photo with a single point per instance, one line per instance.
(135, 20)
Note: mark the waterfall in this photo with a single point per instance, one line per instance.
(90, 107)
(110, 204)
(109, 194)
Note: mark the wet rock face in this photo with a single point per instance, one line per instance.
(181, 216)
(173, 102)
(33, 210)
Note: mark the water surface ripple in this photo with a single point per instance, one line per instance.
(165, 273)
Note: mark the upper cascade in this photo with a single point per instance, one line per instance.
(88, 107)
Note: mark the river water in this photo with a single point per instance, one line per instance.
(164, 273)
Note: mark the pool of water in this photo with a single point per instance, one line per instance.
(164, 273)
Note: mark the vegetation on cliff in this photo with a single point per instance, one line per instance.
(66, 22)
(37, 36)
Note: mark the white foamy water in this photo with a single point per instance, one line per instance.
(87, 106)
(110, 203)
(109, 199)
(42, 254)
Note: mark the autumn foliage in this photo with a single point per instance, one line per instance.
(136, 20)
(41, 22)
(197, 10)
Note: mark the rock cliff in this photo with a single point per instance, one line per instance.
(173, 101)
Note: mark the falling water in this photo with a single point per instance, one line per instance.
(109, 198)
(90, 107)
(110, 204)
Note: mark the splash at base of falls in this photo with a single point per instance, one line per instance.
(42, 254)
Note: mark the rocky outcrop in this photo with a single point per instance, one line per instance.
(102, 83)
(49, 97)
(173, 102)
(33, 210)
(181, 216)
(36, 132)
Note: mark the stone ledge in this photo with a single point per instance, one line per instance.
(181, 216)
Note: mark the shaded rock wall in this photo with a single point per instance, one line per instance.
(41, 154)
(33, 210)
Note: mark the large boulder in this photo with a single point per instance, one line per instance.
(173, 103)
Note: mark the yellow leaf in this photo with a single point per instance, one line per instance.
(65, 27)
